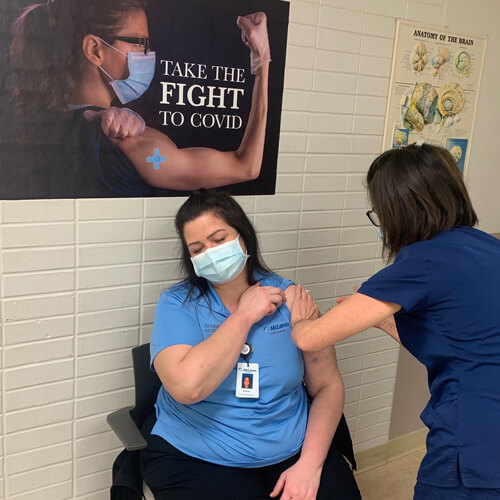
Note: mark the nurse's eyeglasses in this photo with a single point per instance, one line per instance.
(373, 218)
(141, 42)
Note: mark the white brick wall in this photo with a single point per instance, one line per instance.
(80, 279)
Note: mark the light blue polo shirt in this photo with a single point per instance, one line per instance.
(223, 428)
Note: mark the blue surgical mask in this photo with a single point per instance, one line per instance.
(222, 263)
(380, 234)
(141, 72)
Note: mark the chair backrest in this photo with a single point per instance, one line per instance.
(147, 385)
(342, 441)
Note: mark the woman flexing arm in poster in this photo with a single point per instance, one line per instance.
(193, 168)
(65, 64)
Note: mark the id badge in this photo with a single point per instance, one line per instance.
(247, 380)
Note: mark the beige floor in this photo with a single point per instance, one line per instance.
(392, 481)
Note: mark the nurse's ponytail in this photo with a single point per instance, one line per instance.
(46, 52)
(39, 56)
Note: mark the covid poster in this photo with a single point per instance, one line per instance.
(137, 98)
(434, 88)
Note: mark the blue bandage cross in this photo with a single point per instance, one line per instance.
(156, 159)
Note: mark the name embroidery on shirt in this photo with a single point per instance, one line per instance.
(278, 328)
(211, 327)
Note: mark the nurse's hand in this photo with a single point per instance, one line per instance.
(298, 482)
(259, 301)
(117, 123)
(303, 307)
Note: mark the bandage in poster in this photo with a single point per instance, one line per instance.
(434, 87)
(109, 98)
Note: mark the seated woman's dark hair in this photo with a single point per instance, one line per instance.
(417, 191)
(224, 206)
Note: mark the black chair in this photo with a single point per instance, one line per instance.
(342, 439)
(127, 422)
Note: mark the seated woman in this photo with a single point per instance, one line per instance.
(216, 435)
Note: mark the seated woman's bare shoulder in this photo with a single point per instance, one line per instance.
(290, 296)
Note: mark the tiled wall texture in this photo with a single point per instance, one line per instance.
(80, 279)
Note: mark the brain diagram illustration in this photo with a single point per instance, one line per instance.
(427, 104)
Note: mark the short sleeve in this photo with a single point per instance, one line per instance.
(175, 323)
(405, 282)
(285, 283)
(116, 171)
(272, 279)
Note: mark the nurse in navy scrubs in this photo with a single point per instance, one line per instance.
(218, 435)
(439, 298)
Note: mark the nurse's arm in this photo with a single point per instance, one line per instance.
(388, 325)
(199, 167)
(353, 315)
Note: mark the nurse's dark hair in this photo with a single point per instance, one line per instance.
(46, 51)
(417, 192)
(224, 206)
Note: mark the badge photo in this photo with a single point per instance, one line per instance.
(247, 380)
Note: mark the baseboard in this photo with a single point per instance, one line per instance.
(395, 448)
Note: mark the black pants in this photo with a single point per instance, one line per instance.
(173, 475)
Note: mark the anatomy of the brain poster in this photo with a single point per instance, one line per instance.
(434, 88)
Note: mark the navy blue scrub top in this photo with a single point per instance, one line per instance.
(113, 167)
(449, 320)
(69, 157)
